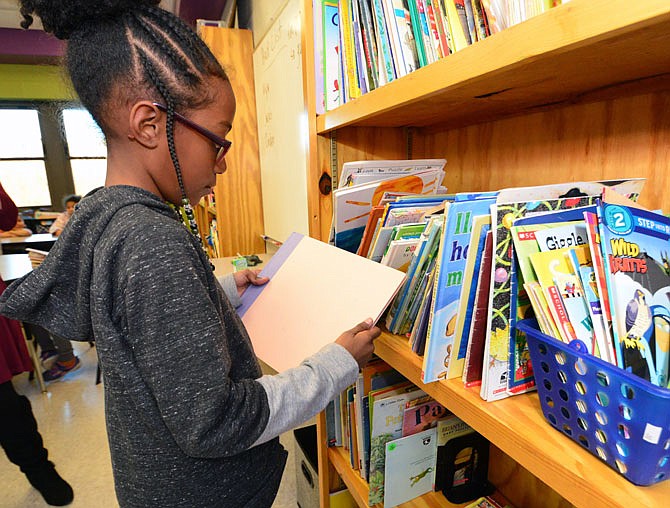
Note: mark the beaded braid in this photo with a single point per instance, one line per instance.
(188, 217)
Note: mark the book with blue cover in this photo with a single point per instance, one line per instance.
(636, 251)
(447, 292)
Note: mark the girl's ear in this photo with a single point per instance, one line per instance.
(145, 124)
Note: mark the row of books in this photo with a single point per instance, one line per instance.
(476, 263)
(403, 442)
(361, 45)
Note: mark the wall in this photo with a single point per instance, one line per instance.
(282, 124)
(34, 82)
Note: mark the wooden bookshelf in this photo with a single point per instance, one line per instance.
(581, 48)
(239, 205)
(358, 488)
(578, 93)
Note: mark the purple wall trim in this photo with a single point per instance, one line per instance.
(16, 42)
(190, 10)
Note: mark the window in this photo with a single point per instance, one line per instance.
(49, 150)
(22, 164)
(87, 150)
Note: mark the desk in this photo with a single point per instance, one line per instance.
(18, 244)
(223, 266)
(14, 266)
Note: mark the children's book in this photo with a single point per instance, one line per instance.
(421, 261)
(417, 339)
(453, 255)
(410, 467)
(421, 414)
(399, 253)
(370, 227)
(405, 35)
(636, 251)
(582, 265)
(381, 168)
(352, 205)
(331, 55)
(562, 291)
(386, 426)
(512, 204)
(481, 224)
(474, 357)
(289, 318)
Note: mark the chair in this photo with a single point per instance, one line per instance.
(31, 344)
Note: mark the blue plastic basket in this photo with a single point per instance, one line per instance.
(619, 417)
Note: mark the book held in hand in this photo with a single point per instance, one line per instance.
(315, 293)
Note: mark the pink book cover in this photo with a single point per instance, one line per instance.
(418, 417)
(315, 293)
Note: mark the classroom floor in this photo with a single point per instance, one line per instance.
(71, 419)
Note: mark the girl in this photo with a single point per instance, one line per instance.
(190, 419)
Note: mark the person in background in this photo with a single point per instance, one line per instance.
(19, 229)
(191, 420)
(56, 354)
(69, 203)
(19, 436)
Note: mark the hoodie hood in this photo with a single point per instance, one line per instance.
(57, 294)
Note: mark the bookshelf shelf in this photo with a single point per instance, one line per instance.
(618, 42)
(358, 488)
(575, 94)
(516, 426)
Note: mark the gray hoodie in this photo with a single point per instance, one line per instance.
(190, 420)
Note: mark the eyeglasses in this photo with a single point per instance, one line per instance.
(222, 145)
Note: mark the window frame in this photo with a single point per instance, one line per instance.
(54, 144)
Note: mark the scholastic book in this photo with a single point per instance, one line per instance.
(562, 290)
(512, 204)
(582, 265)
(636, 248)
(410, 467)
(449, 282)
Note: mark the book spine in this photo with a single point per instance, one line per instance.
(348, 53)
(418, 35)
(394, 38)
(383, 41)
(361, 67)
(369, 43)
(431, 54)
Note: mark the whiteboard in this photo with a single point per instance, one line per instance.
(282, 125)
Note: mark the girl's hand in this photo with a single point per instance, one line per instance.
(246, 278)
(359, 341)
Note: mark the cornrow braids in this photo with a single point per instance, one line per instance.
(188, 216)
(135, 50)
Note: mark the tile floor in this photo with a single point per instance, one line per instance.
(71, 420)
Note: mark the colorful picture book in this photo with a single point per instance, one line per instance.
(446, 297)
(421, 414)
(636, 252)
(504, 305)
(386, 418)
(352, 205)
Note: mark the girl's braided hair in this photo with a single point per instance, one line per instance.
(132, 48)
